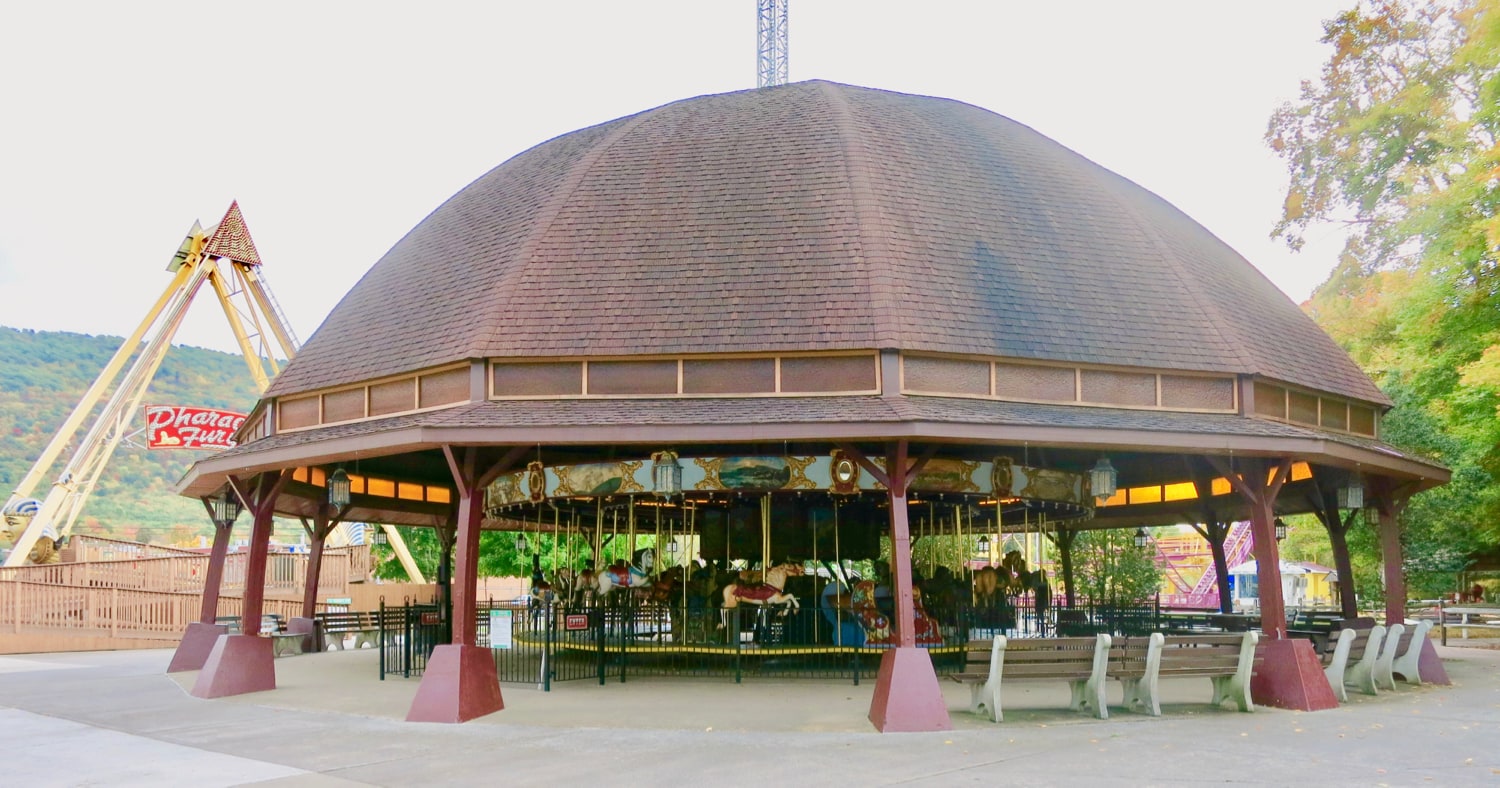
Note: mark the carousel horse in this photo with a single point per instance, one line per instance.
(565, 584)
(988, 583)
(942, 593)
(877, 626)
(1014, 565)
(637, 575)
(541, 597)
(769, 592)
(926, 627)
(667, 586)
(861, 602)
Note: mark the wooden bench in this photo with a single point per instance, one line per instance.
(1406, 652)
(1225, 660)
(1080, 661)
(363, 625)
(1360, 647)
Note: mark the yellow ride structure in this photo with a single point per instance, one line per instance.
(226, 258)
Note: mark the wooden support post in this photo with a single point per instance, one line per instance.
(1390, 500)
(200, 636)
(1323, 498)
(460, 682)
(325, 519)
(1289, 675)
(1214, 531)
(244, 662)
(213, 576)
(907, 694)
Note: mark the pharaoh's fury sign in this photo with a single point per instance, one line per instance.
(183, 427)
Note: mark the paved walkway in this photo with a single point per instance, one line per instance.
(113, 718)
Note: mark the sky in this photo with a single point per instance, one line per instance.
(338, 126)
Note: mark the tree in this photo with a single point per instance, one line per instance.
(1396, 145)
(1108, 567)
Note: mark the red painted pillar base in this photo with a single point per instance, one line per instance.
(197, 642)
(459, 684)
(907, 695)
(1430, 665)
(1290, 677)
(237, 665)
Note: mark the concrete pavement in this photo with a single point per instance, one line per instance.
(114, 718)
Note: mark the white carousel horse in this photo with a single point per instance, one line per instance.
(637, 575)
(770, 592)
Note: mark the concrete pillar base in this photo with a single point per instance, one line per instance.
(237, 665)
(907, 695)
(460, 683)
(1430, 665)
(197, 642)
(311, 644)
(1289, 676)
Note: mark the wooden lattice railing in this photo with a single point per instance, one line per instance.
(286, 573)
(112, 612)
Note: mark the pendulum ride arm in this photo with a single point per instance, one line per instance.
(64, 499)
(403, 554)
(101, 384)
(262, 312)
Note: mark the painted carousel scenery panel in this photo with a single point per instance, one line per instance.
(1050, 485)
(947, 476)
(604, 478)
(754, 473)
(508, 489)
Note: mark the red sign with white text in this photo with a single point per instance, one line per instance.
(184, 427)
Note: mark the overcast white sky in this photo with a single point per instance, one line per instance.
(340, 125)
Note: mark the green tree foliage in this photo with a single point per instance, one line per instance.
(47, 374)
(499, 556)
(1107, 566)
(1396, 144)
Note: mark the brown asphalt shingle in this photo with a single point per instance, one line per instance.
(815, 216)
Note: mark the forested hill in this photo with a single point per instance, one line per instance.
(46, 374)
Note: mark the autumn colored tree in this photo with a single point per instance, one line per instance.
(1395, 145)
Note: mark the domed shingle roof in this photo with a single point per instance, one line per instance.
(815, 216)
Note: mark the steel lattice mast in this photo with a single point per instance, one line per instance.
(772, 50)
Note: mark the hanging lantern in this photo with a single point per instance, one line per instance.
(666, 474)
(1141, 539)
(1280, 526)
(338, 488)
(672, 547)
(1352, 496)
(1103, 480)
(521, 544)
(984, 544)
(226, 508)
(380, 537)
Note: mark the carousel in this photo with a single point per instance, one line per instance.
(764, 341)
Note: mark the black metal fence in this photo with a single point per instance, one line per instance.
(626, 637)
(408, 634)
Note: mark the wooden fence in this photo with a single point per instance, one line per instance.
(286, 573)
(113, 612)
